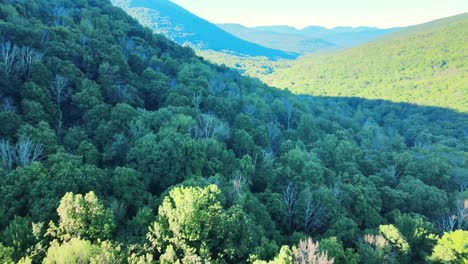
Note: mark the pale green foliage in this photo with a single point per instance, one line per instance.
(187, 216)
(82, 251)
(6, 254)
(108, 254)
(73, 251)
(393, 235)
(144, 259)
(193, 227)
(451, 248)
(25, 260)
(82, 217)
(284, 257)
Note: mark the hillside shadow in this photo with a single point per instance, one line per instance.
(437, 121)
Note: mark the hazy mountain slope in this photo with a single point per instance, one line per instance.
(424, 64)
(307, 40)
(287, 39)
(346, 37)
(183, 27)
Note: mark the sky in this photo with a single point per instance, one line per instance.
(328, 13)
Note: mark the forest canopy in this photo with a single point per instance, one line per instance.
(119, 146)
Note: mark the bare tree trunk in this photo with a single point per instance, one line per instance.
(59, 14)
(208, 126)
(59, 93)
(197, 99)
(238, 184)
(462, 213)
(289, 200)
(9, 53)
(446, 223)
(289, 112)
(29, 56)
(313, 214)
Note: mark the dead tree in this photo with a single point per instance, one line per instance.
(376, 240)
(289, 112)
(290, 197)
(394, 172)
(221, 130)
(457, 220)
(336, 190)
(8, 105)
(462, 213)
(23, 153)
(205, 126)
(216, 85)
(9, 53)
(27, 151)
(273, 133)
(29, 56)
(197, 99)
(446, 223)
(238, 183)
(314, 212)
(307, 252)
(59, 14)
(208, 126)
(7, 154)
(58, 93)
(268, 159)
(18, 61)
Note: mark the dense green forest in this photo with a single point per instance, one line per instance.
(119, 146)
(424, 64)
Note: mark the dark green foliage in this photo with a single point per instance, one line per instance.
(141, 120)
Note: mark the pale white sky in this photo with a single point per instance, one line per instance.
(329, 13)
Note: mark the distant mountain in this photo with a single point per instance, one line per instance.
(176, 23)
(282, 29)
(278, 37)
(424, 64)
(346, 37)
(307, 40)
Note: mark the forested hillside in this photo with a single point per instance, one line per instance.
(119, 146)
(424, 65)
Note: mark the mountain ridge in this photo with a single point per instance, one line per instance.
(309, 39)
(183, 27)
